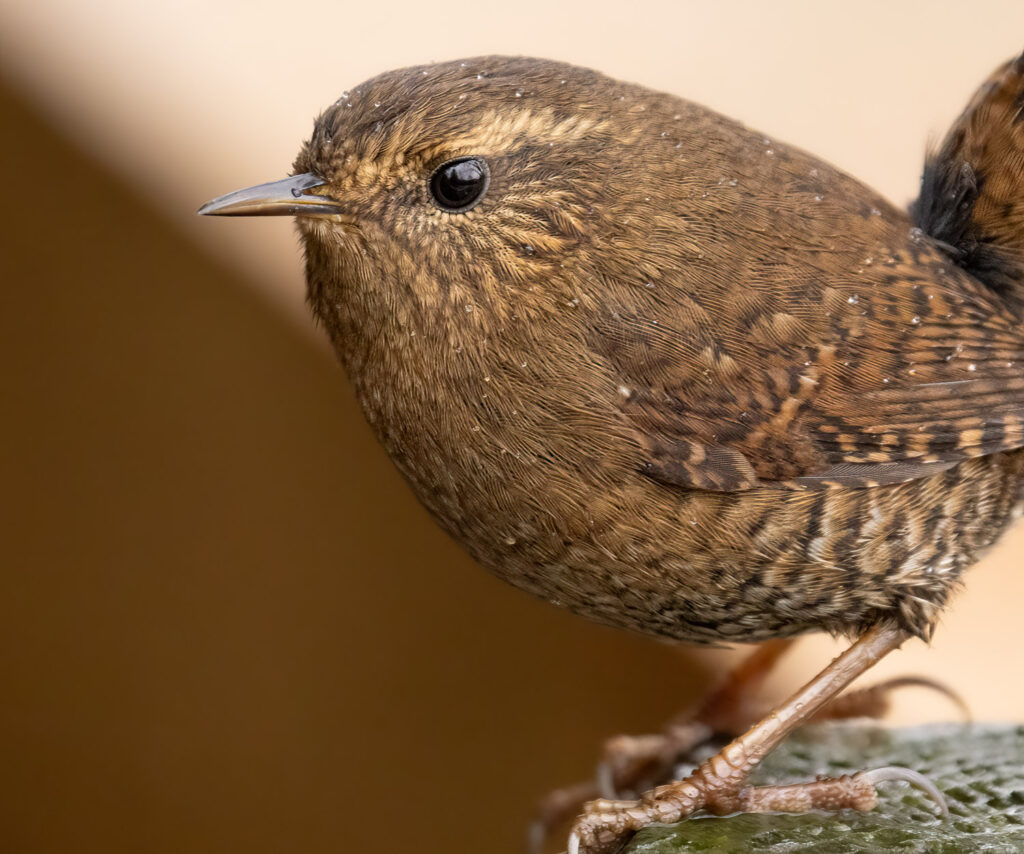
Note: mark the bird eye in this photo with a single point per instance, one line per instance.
(459, 184)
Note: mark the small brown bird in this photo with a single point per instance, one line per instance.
(673, 375)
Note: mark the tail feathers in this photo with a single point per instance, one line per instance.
(972, 190)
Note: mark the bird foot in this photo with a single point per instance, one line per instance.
(634, 764)
(720, 788)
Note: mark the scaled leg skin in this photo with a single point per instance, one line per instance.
(637, 763)
(632, 764)
(719, 785)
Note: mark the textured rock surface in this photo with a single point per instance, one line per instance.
(979, 768)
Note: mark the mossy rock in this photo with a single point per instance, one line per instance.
(980, 769)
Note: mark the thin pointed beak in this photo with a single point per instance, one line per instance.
(278, 198)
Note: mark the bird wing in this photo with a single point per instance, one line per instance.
(889, 381)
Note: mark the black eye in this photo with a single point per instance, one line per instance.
(459, 184)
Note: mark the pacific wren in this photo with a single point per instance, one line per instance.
(673, 375)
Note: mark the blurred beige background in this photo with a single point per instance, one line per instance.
(224, 623)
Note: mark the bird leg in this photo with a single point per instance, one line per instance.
(719, 785)
(636, 763)
(633, 764)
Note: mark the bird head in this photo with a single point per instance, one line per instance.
(457, 183)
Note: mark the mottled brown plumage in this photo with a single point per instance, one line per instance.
(668, 373)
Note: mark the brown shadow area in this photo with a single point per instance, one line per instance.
(225, 624)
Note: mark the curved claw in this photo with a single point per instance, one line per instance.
(873, 701)
(557, 807)
(893, 773)
(535, 836)
(605, 778)
(934, 685)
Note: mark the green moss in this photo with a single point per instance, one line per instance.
(979, 768)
